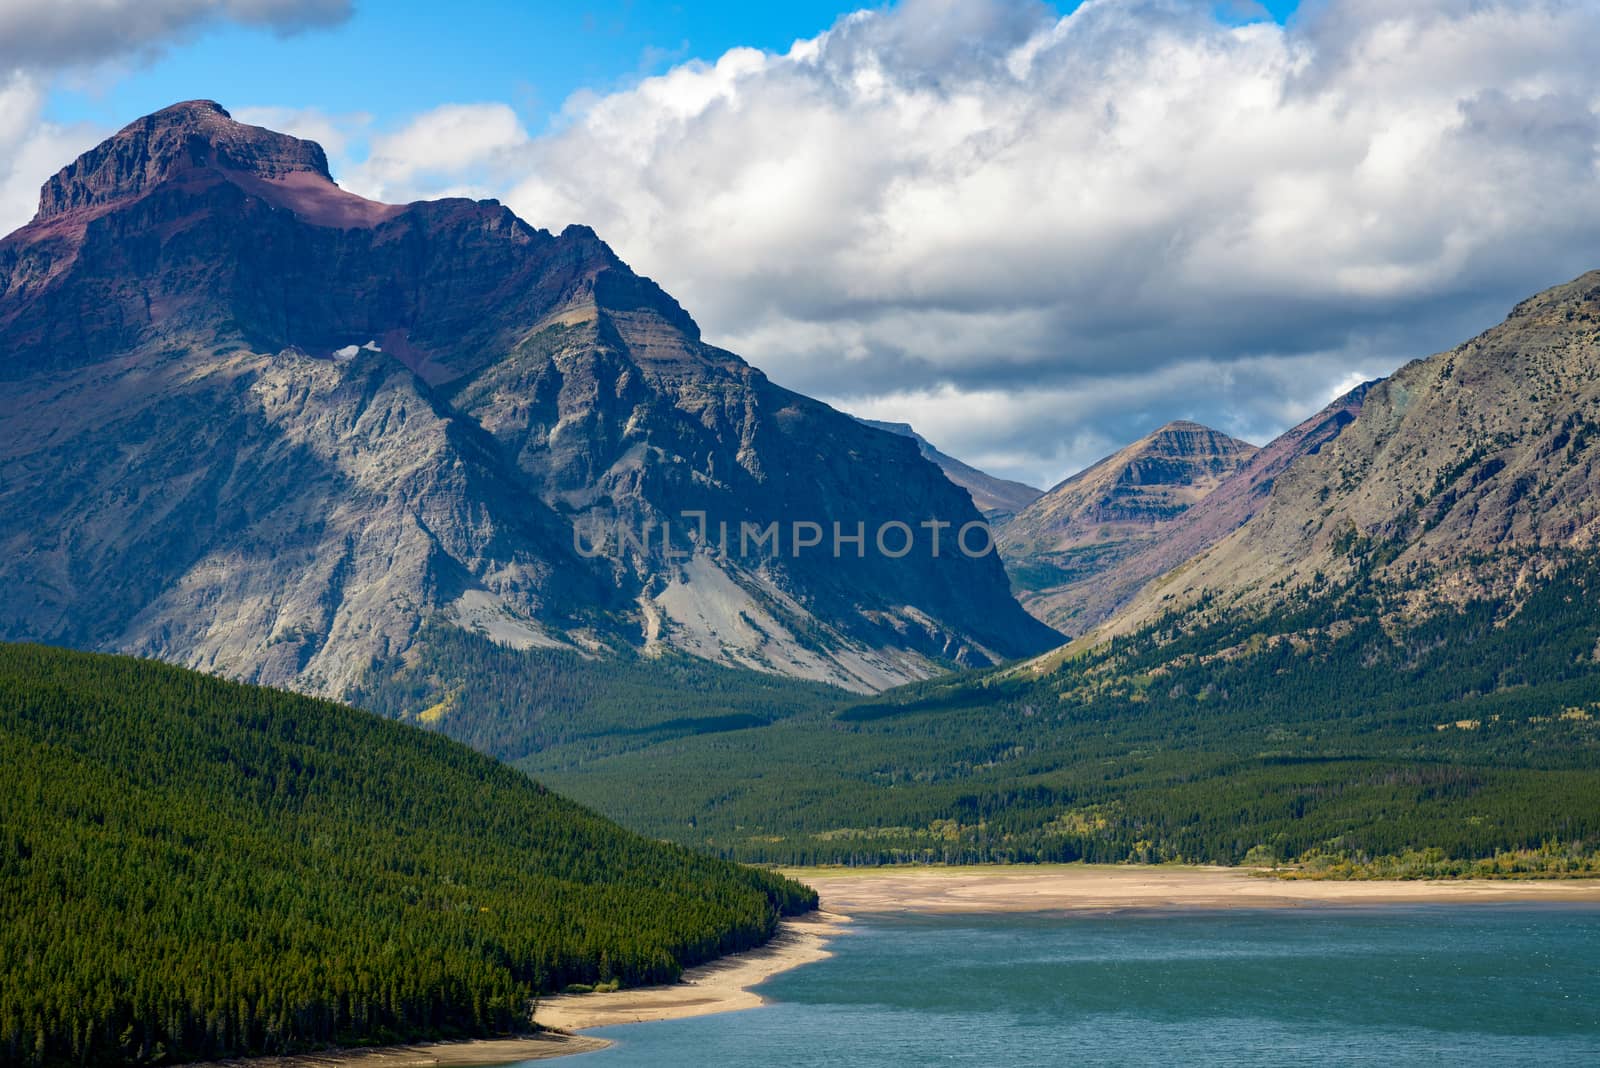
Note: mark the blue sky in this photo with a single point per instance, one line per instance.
(395, 58)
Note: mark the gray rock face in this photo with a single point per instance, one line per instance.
(999, 499)
(255, 424)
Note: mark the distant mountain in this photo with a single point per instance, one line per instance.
(1105, 586)
(195, 869)
(997, 498)
(1059, 547)
(255, 424)
(1469, 474)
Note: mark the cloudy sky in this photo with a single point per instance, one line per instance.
(1034, 231)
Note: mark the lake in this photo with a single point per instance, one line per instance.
(1415, 985)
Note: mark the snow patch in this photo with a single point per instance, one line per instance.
(349, 352)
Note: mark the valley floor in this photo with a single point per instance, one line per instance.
(1056, 887)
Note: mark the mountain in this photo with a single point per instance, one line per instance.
(193, 869)
(255, 424)
(1466, 473)
(1472, 473)
(1371, 649)
(1059, 547)
(1094, 597)
(997, 498)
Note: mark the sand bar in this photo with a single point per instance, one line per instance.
(430, 1054)
(721, 986)
(1072, 887)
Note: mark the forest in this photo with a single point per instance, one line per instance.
(192, 868)
(1333, 732)
(512, 703)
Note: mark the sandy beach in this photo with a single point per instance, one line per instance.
(483, 1051)
(1061, 887)
(721, 986)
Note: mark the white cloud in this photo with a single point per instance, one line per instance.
(447, 151)
(30, 148)
(47, 34)
(976, 199)
(338, 134)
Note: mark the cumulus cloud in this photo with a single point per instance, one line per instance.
(448, 151)
(30, 147)
(338, 133)
(1033, 236)
(48, 34)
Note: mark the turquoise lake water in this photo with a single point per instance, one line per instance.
(1416, 985)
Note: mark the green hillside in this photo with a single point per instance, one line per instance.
(512, 703)
(191, 868)
(1336, 730)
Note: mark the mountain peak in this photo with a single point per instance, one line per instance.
(1106, 512)
(1183, 426)
(191, 136)
(191, 111)
(1188, 438)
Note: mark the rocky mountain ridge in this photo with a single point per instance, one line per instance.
(259, 425)
(1467, 474)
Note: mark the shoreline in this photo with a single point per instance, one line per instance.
(1116, 888)
(725, 985)
(721, 986)
(454, 1053)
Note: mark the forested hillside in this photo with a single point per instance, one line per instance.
(1334, 730)
(511, 703)
(192, 868)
